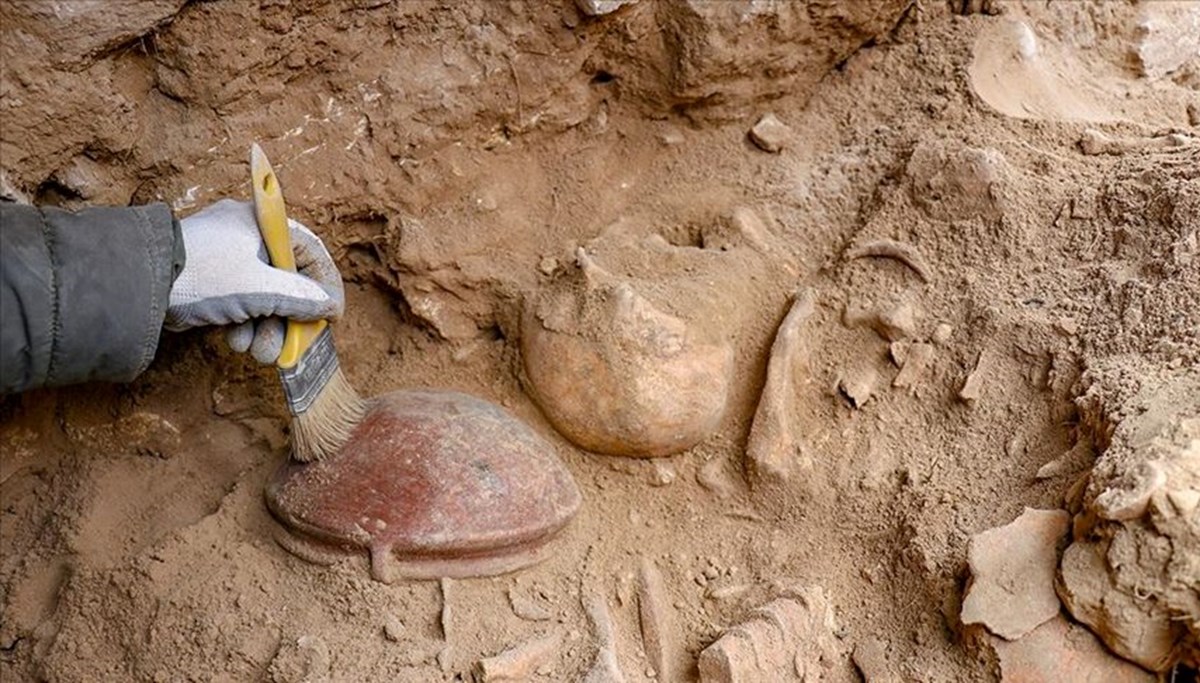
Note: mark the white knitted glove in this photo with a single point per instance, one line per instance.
(227, 279)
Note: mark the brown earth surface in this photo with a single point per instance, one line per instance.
(1037, 163)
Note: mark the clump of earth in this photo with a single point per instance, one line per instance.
(943, 258)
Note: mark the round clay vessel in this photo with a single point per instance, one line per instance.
(431, 484)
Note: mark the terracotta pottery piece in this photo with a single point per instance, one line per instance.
(431, 484)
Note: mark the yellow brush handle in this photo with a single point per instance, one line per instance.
(273, 225)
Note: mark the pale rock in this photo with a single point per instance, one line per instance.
(898, 322)
(595, 8)
(1167, 37)
(858, 385)
(770, 134)
(915, 363)
(662, 474)
(303, 660)
(942, 334)
(1012, 573)
(870, 657)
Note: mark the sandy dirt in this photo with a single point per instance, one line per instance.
(1040, 161)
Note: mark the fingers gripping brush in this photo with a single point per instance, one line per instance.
(325, 407)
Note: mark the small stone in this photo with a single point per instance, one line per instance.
(913, 370)
(714, 478)
(972, 388)
(897, 323)
(857, 386)
(595, 8)
(304, 660)
(942, 333)
(770, 134)
(898, 350)
(1012, 573)
(1193, 114)
(1067, 326)
(870, 656)
(663, 473)
(548, 265)
(393, 628)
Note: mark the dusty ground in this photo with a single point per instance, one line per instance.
(455, 155)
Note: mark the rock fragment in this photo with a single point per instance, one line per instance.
(595, 8)
(518, 663)
(1012, 573)
(898, 322)
(771, 449)
(972, 388)
(858, 385)
(1167, 37)
(713, 477)
(657, 622)
(662, 474)
(1060, 651)
(770, 134)
(913, 367)
(304, 660)
(791, 637)
(870, 657)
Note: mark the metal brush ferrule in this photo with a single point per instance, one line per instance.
(303, 382)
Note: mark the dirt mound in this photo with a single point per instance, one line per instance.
(990, 223)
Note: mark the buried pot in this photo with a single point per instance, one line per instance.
(430, 484)
(616, 375)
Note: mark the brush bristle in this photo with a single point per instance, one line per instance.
(321, 430)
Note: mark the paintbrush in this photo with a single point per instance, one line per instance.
(325, 407)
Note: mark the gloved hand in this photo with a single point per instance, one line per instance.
(227, 279)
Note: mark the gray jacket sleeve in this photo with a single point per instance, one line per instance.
(83, 295)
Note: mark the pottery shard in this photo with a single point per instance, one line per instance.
(1012, 573)
(1060, 651)
(788, 639)
(770, 134)
(1131, 627)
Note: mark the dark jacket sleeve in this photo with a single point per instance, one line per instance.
(83, 295)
